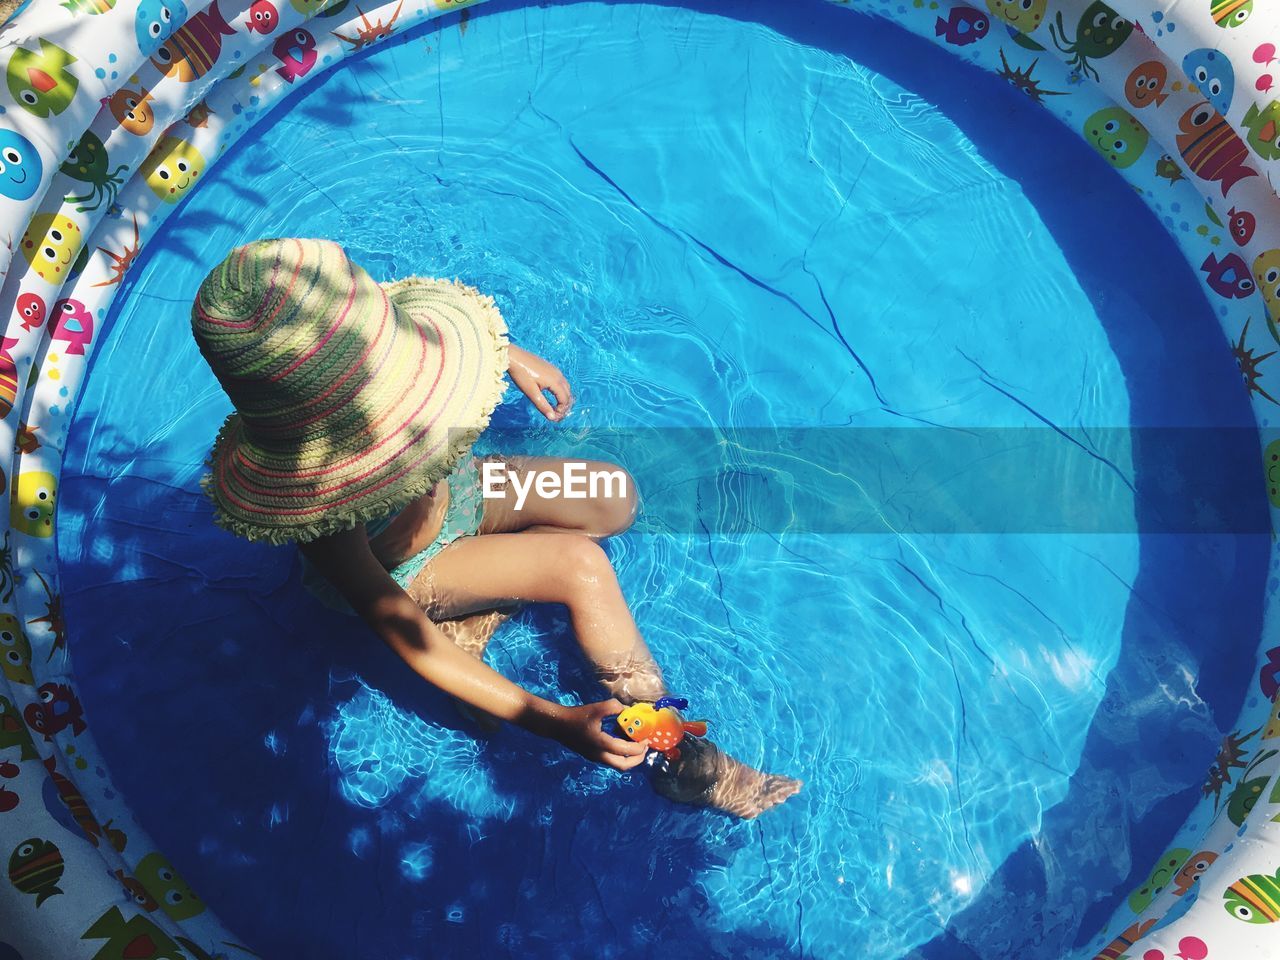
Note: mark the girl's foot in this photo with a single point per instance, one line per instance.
(472, 634)
(704, 775)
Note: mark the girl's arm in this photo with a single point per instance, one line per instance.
(346, 561)
(533, 375)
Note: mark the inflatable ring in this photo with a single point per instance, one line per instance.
(1208, 69)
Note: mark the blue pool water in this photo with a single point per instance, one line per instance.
(777, 219)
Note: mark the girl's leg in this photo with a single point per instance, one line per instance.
(488, 571)
(473, 631)
(505, 569)
(598, 516)
(472, 634)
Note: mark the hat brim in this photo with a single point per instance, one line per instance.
(282, 495)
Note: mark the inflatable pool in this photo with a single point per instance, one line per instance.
(116, 112)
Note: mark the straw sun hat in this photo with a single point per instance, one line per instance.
(352, 398)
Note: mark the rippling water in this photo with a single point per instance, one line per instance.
(705, 222)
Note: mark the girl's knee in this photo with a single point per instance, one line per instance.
(582, 564)
(614, 508)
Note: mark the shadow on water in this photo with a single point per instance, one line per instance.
(330, 745)
(496, 842)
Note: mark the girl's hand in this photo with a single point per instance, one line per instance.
(579, 730)
(532, 375)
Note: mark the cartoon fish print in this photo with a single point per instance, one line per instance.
(127, 936)
(1213, 75)
(198, 116)
(1163, 872)
(20, 166)
(1254, 899)
(963, 26)
(1263, 129)
(1166, 169)
(1022, 15)
(194, 47)
(14, 733)
(27, 441)
(137, 892)
(1241, 224)
(35, 867)
(31, 311)
(56, 709)
(89, 7)
(8, 375)
(1266, 271)
(78, 265)
(161, 881)
(1145, 84)
(132, 110)
(171, 168)
(1230, 13)
(1211, 148)
(1245, 794)
(74, 324)
(1228, 277)
(155, 21)
(263, 17)
(1272, 457)
(15, 651)
(66, 805)
(50, 244)
(40, 82)
(1196, 865)
(660, 725)
(31, 511)
(1117, 136)
(296, 51)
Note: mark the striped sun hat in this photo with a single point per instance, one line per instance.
(352, 398)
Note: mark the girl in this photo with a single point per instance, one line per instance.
(356, 405)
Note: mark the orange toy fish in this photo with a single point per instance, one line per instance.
(660, 724)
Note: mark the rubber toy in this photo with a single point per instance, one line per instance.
(659, 723)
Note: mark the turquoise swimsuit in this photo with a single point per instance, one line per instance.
(461, 519)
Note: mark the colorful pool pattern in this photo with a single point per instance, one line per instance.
(113, 109)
